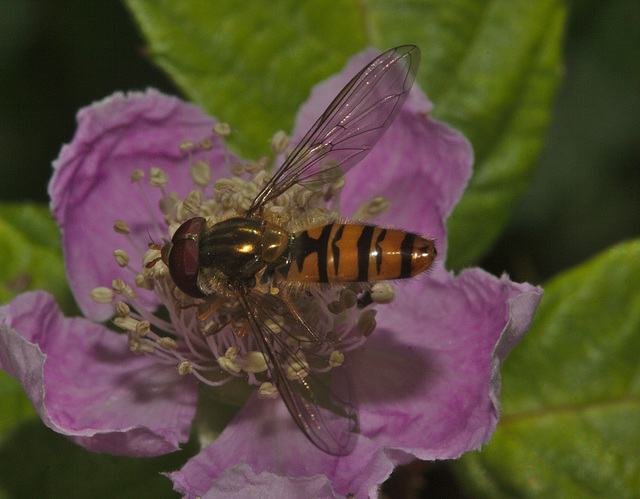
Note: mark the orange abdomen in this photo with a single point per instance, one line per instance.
(354, 253)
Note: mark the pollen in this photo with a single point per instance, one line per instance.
(158, 177)
(122, 259)
(336, 359)
(221, 130)
(279, 143)
(121, 227)
(102, 295)
(383, 292)
(185, 368)
(267, 391)
(220, 345)
(254, 362)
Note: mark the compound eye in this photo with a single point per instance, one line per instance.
(183, 258)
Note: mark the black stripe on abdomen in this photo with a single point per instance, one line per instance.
(364, 250)
(406, 255)
(323, 249)
(335, 251)
(379, 239)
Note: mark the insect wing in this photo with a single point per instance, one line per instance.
(351, 125)
(321, 404)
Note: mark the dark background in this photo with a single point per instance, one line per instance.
(59, 55)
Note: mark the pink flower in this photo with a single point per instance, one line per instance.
(428, 378)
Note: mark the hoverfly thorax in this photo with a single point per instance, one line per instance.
(203, 253)
(266, 282)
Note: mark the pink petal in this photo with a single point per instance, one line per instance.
(429, 378)
(91, 186)
(241, 482)
(264, 437)
(84, 382)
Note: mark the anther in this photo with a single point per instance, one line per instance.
(122, 309)
(121, 288)
(187, 145)
(122, 259)
(383, 293)
(167, 343)
(185, 368)
(143, 282)
(366, 323)
(126, 323)
(336, 307)
(279, 143)
(102, 294)
(201, 173)
(267, 391)
(121, 227)
(348, 298)
(221, 130)
(193, 202)
(143, 328)
(157, 177)
(378, 205)
(336, 358)
(254, 362)
(237, 169)
(136, 175)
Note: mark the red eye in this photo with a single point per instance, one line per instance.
(183, 258)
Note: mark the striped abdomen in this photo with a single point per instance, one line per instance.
(346, 252)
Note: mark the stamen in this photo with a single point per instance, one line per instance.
(122, 288)
(167, 343)
(348, 298)
(185, 368)
(221, 130)
(137, 175)
(201, 173)
(122, 309)
(209, 338)
(157, 177)
(254, 362)
(279, 143)
(187, 145)
(237, 169)
(379, 205)
(336, 358)
(267, 391)
(336, 307)
(122, 259)
(383, 292)
(366, 323)
(121, 227)
(102, 294)
(143, 328)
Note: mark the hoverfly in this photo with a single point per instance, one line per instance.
(245, 258)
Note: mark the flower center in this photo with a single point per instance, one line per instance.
(214, 338)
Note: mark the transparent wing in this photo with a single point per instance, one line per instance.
(351, 125)
(321, 403)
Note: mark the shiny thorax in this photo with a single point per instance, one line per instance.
(201, 255)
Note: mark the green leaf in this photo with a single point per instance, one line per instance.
(31, 255)
(491, 67)
(37, 463)
(14, 406)
(571, 391)
(500, 96)
(249, 63)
